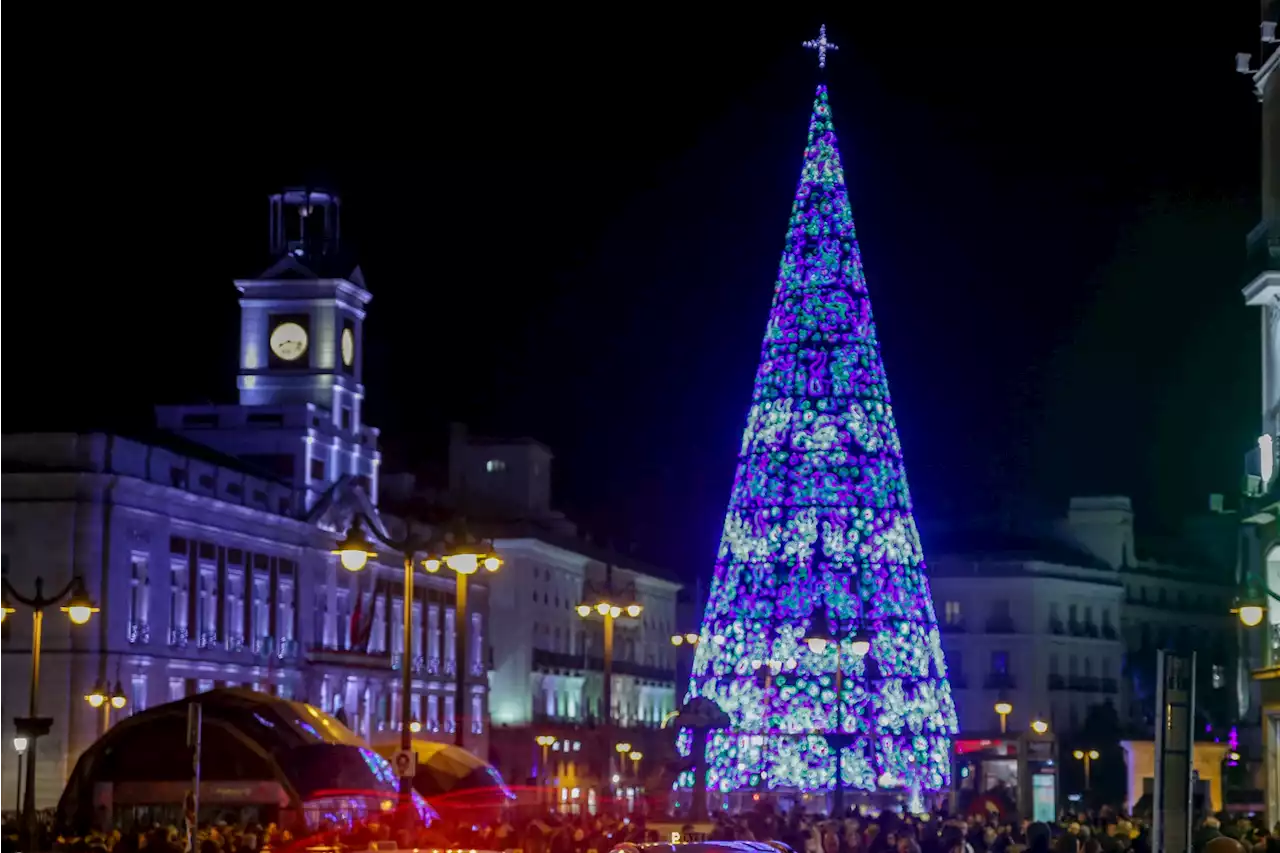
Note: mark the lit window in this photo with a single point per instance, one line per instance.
(495, 466)
(1219, 676)
(952, 612)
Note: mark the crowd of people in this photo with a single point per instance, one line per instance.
(1104, 831)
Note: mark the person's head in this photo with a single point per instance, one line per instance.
(1212, 822)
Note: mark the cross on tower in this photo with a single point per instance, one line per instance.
(821, 45)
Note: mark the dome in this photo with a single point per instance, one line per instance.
(290, 759)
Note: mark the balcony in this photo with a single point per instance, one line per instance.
(1082, 629)
(577, 662)
(1084, 684)
(1056, 626)
(347, 657)
(955, 626)
(1057, 682)
(1109, 632)
(1110, 685)
(1001, 625)
(999, 681)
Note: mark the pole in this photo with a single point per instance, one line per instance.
(607, 692)
(106, 716)
(1004, 724)
(33, 711)
(837, 799)
(17, 784)
(406, 685)
(1088, 761)
(546, 776)
(463, 664)
(195, 726)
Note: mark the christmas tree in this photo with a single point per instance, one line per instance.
(819, 583)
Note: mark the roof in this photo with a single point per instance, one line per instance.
(1013, 546)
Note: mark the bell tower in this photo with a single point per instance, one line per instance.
(300, 372)
(301, 321)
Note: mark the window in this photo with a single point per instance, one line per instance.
(207, 607)
(495, 466)
(177, 689)
(450, 718)
(1053, 664)
(477, 713)
(1088, 615)
(285, 611)
(138, 685)
(433, 713)
(235, 610)
(178, 604)
(1071, 613)
(951, 613)
(139, 600)
(955, 663)
(1219, 676)
(317, 469)
(451, 643)
(433, 637)
(999, 663)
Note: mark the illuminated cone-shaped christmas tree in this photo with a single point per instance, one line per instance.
(819, 540)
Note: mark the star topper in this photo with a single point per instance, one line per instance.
(821, 45)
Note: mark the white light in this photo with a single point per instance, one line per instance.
(1267, 457)
(20, 744)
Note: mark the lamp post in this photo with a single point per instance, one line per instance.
(20, 747)
(1088, 757)
(545, 742)
(821, 636)
(106, 700)
(635, 755)
(462, 552)
(606, 604)
(79, 609)
(1004, 709)
(1039, 726)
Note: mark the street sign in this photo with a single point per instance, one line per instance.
(405, 762)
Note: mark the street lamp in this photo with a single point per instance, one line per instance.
(1004, 709)
(1251, 604)
(106, 700)
(635, 755)
(819, 638)
(79, 609)
(455, 547)
(680, 639)
(606, 604)
(545, 742)
(20, 747)
(1038, 726)
(1088, 757)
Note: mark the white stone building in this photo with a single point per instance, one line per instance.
(1056, 623)
(207, 545)
(547, 672)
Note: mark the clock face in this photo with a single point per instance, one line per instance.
(289, 341)
(348, 347)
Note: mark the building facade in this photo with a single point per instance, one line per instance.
(1057, 623)
(547, 672)
(207, 545)
(1260, 531)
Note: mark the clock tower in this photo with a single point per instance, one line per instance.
(300, 373)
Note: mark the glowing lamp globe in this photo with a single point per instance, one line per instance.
(20, 744)
(492, 564)
(463, 564)
(584, 610)
(415, 726)
(431, 566)
(691, 638)
(860, 644)
(817, 645)
(97, 696)
(1039, 726)
(354, 550)
(1004, 709)
(634, 610)
(677, 640)
(79, 608)
(603, 608)
(1078, 754)
(1251, 615)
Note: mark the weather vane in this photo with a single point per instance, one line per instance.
(821, 45)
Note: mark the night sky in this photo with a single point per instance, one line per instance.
(571, 228)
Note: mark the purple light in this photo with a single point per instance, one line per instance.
(819, 524)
